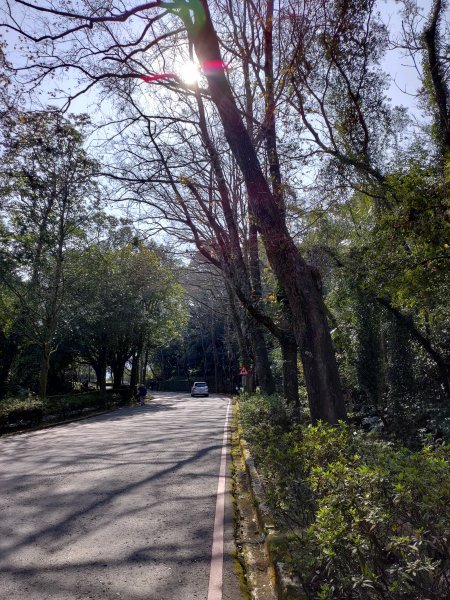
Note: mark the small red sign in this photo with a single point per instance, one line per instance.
(243, 371)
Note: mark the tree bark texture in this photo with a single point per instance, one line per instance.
(440, 91)
(290, 371)
(262, 364)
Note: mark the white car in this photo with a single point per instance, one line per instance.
(200, 388)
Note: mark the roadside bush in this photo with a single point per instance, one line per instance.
(364, 518)
(69, 405)
(262, 413)
(20, 412)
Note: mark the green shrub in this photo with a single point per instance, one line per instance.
(17, 413)
(364, 519)
(261, 413)
(70, 405)
(20, 412)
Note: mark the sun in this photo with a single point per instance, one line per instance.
(189, 72)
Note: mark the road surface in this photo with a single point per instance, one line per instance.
(121, 505)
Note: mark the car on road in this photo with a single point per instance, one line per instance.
(200, 388)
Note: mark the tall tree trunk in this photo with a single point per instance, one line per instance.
(46, 347)
(144, 367)
(232, 260)
(205, 356)
(258, 339)
(100, 374)
(54, 304)
(8, 350)
(310, 321)
(290, 370)
(435, 62)
(134, 375)
(99, 366)
(118, 367)
(214, 351)
(45, 366)
(230, 372)
(257, 344)
(261, 356)
(245, 355)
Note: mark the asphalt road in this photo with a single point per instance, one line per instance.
(117, 506)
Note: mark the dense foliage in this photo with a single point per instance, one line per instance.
(30, 411)
(362, 518)
(76, 285)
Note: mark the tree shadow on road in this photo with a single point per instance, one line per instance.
(102, 486)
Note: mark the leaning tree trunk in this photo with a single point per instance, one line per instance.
(436, 67)
(305, 299)
(232, 260)
(408, 323)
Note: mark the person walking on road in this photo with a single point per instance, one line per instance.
(142, 392)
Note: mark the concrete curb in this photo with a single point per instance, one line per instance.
(287, 586)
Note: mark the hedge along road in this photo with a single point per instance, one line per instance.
(121, 505)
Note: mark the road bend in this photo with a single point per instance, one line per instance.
(123, 505)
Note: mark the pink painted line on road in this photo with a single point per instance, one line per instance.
(216, 571)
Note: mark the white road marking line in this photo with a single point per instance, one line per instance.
(216, 571)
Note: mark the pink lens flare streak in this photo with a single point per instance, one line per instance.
(214, 65)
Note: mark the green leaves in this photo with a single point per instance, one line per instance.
(129, 299)
(364, 519)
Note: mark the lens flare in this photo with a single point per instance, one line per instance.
(189, 72)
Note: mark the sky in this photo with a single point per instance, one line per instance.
(404, 77)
